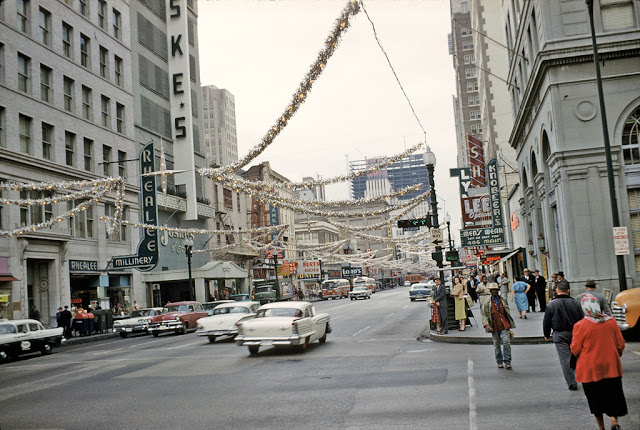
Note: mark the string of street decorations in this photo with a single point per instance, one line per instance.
(267, 229)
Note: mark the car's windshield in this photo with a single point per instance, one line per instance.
(7, 329)
(208, 306)
(419, 287)
(360, 289)
(279, 312)
(360, 282)
(230, 310)
(142, 313)
(329, 285)
(263, 289)
(174, 308)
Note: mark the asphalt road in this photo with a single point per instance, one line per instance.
(371, 374)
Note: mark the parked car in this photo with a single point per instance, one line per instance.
(421, 290)
(240, 297)
(25, 336)
(226, 319)
(210, 306)
(360, 293)
(284, 324)
(179, 317)
(407, 283)
(138, 323)
(626, 310)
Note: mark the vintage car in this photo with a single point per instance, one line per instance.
(240, 297)
(626, 310)
(421, 290)
(18, 337)
(283, 324)
(178, 317)
(138, 323)
(226, 319)
(360, 293)
(210, 306)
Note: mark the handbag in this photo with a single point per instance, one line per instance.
(511, 334)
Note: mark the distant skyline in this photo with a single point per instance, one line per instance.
(261, 50)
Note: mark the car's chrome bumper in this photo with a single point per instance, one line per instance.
(229, 332)
(275, 341)
(131, 329)
(165, 326)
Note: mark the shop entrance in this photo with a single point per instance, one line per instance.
(174, 292)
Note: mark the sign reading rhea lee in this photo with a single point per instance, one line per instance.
(181, 115)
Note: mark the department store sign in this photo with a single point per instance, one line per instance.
(147, 256)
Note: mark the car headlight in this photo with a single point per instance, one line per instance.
(177, 318)
(116, 324)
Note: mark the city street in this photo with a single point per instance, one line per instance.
(371, 374)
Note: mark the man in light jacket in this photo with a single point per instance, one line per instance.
(497, 320)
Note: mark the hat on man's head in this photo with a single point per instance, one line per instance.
(536, 271)
(60, 308)
(493, 286)
(560, 273)
(526, 270)
(590, 283)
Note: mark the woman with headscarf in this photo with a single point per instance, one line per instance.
(457, 292)
(519, 291)
(598, 344)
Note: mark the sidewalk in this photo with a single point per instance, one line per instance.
(527, 331)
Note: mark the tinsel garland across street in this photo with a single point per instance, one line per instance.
(267, 229)
(97, 189)
(216, 175)
(384, 223)
(330, 45)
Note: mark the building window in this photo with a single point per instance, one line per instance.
(116, 24)
(1, 127)
(47, 141)
(106, 160)
(467, 73)
(23, 73)
(467, 59)
(45, 83)
(102, 11)
(617, 14)
(45, 26)
(631, 138)
(474, 129)
(472, 114)
(35, 214)
(110, 211)
(464, 31)
(104, 60)
(84, 9)
(86, 102)
(69, 143)
(84, 50)
(25, 134)
(67, 33)
(105, 105)
(228, 198)
(117, 65)
(88, 155)
(119, 118)
(68, 94)
(81, 225)
(122, 168)
(22, 9)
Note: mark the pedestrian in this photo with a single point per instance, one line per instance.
(300, 294)
(66, 318)
(497, 320)
(539, 286)
(136, 306)
(561, 314)
(519, 292)
(35, 313)
(457, 292)
(492, 277)
(439, 307)
(531, 295)
(562, 280)
(58, 320)
(598, 344)
(503, 282)
(590, 286)
(472, 284)
(483, 290)
(552, 286)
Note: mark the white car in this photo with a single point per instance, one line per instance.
(18, 337)
(360, 293)
(226, 319)
(138, 323)
(281, 324)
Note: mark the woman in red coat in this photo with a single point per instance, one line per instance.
(598, 344)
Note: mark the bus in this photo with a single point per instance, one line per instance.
(363, 281)
(335, 289)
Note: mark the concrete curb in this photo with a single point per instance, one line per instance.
(77, 340)
(475, 340)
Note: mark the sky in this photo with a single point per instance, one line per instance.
(260, 50)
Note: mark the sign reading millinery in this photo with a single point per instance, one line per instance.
(147, 256)
(180, 97)
(482, 236)
(621, 240)
(83, 266)
(349, 272)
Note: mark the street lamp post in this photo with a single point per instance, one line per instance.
(188, 247)
(622, 276)
(430, 162)
(447, 219)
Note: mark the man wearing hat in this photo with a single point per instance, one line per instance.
(496, 319)
(531, 295)
(590, 285)
(540, 285)
(562, 280)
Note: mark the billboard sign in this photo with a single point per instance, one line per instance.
(476, 161)
(482, 236)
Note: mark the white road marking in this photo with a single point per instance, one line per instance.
(405, 306)
(418, 350)
(357, 333)
(389, 315)
(636, 352)
(198, 342)
(472, 397)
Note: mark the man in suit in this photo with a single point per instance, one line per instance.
(531, 295)
(540, 285)
(590, 287)
(440, 301)
(65, 320)
(562, 280)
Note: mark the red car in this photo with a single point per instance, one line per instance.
(179, 317)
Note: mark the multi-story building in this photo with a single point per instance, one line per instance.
(219, 115)
(557, 133)
(66, 115)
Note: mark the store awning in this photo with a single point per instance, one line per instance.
(8, 278)
(508, 256)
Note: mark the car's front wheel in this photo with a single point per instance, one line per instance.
(155, 333)
(184, 328)
(47, 349)
(253, 349)
(212, 339)
(323, 339)
(123, 334)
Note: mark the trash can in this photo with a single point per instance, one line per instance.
(100, 320)
(84, 324)
(109, 319)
